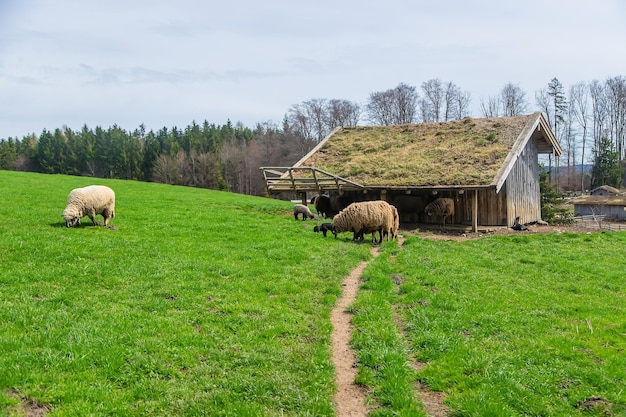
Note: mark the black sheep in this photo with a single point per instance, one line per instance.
(324, 228)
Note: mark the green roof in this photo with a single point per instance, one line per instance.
(470, 152)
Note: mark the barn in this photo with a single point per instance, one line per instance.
(488, 166)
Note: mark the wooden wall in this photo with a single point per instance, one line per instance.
(523, 197)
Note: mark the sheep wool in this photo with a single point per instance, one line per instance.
(304, 210)
(89, 201)
(367, 217)
(441, 207)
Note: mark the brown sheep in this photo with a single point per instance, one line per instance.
(442, 207)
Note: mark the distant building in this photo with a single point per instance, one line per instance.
(605, 190)
(610, 206)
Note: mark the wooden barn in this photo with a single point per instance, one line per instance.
(489, 167)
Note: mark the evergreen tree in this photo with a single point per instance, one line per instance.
(606, 166)
(8, 153)
(553, 207)
(45, 158)
(559, 103)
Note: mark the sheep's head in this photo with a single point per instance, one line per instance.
(72, 221)
(71, 216)
(316, 229)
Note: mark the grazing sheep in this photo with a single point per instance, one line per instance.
(304, 210)
(322, 206)
(366, 217)
(443, 207)
(89, 201)
(324, 228)
(338, 203)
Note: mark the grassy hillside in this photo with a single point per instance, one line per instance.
(210, 303)
(200, 303)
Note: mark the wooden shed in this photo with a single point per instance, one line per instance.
(490, 167)
(609, 207)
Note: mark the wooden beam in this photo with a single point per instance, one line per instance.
(475, 212)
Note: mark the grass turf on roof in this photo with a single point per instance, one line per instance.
(463, 152)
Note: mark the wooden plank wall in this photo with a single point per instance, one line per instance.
(522, 187)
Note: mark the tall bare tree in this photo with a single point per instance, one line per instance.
(616, 105)
(433, 99)
(513, 100)
(599, 113)
(579, 97)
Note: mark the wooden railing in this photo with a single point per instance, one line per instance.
(297, 179)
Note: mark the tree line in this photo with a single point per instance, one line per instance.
(589, 120)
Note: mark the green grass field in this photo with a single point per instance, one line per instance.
(211, 303)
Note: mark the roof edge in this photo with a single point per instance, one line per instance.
(316, 147)
(536, 121)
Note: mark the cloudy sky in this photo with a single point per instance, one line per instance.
(168, 63)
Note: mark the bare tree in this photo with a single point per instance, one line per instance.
(579, 97)
(167, 170)
(461, 103)
(513, 100)
(316, 118)
(616, 106)
(599, 113)
(490, 107)
(379, 108)
(394, 106)
(434, 96)
(343, 113)
(299, 122)
(544, 103)
(405, 103)
(569, 139)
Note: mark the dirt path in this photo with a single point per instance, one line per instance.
(349, 398)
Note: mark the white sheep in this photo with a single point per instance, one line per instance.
(367, 217)
(89, 201)
(304, 210)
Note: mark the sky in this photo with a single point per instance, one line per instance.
(169, 63)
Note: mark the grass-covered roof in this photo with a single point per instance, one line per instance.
(463, 152)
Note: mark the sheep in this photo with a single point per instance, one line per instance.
(366, 217)
(324, 228)
(322, 206)
(304, 210)
(338, 203)
(89, 201)
(443, 207)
